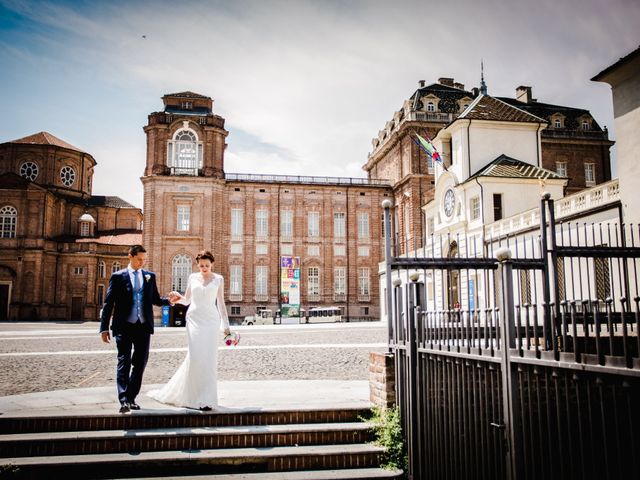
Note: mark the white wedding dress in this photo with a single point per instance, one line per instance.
(195, 383)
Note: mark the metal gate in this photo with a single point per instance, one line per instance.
(517, 357)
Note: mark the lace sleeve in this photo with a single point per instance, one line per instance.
(186, 300)
(221, 306)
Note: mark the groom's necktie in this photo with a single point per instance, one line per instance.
(137, 295)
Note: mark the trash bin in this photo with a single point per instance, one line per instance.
(165, 315)
(177, 315)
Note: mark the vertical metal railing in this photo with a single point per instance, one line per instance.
(523, 365)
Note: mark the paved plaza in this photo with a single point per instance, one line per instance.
(65, 367)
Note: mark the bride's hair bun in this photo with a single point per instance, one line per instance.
(205, 255)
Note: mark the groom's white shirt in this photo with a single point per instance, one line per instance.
(132, 274)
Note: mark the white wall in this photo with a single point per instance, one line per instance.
(519, 141)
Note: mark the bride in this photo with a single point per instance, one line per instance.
(195, 383)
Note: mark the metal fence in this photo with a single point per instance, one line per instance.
(518, 357)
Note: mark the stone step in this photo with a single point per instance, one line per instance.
(143, 419)
(346, 474)
(190, 462)
(118, 441)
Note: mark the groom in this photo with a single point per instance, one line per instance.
(131, 296)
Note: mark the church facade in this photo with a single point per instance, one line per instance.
(59, 243)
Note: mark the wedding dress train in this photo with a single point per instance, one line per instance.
(195, 383)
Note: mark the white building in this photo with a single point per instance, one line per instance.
(490, 196)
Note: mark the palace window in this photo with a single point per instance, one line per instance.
(235, 285)
(183, 220)
(115, 267)
(363, 251)
(314, 224)
(313, 282)
(363, 225)
(431, 107)
(67, 176)
(101, 269)
(286, 223)
(585, 125)
(340, 280)
(78, 270)
(236, 222)
(497, 207)
(475, 208)
(85, 229)
(235, 310)
(184, 153)
(100, 296)
(557, 123)
(589, 174)
(29, 170)
(8, 221)
(262, 223)
(561, 168)
(339, 225)
(363, 281)
(262, 277)
(181, 268)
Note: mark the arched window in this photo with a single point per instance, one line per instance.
(184, 153)
(181, 267)
(115, 267)
(8, 220)
(431, 107)
(101, 269)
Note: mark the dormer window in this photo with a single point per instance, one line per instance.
(557, 123)
(431, 107)
(86, 222)
(187, 105)
(585, 125)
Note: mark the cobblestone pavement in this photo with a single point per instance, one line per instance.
(36, 357)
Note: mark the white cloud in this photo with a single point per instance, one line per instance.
(312, 81)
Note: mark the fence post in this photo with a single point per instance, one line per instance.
(546, 289)
(386, 205)
(413, 315)
(510, 410)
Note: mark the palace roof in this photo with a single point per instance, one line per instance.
(507, 167)
(45, 138)
(490, 108)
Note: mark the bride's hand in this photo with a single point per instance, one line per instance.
(227, 331)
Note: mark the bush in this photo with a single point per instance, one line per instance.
(388, 430)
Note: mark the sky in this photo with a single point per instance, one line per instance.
(303, 85)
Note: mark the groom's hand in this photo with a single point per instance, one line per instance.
(105, 337)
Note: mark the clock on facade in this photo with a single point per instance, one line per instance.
(449, 202)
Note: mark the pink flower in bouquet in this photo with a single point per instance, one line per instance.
(232, 339)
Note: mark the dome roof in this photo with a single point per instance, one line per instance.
(86, 218)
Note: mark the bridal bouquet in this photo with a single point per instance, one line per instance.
(232, 339)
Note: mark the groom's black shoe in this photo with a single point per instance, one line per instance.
(134, 406)
(124, 407)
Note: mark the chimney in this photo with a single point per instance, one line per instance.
(523, 94)
(446, 81)
(459, 86)
(475, 92)
(421, 83)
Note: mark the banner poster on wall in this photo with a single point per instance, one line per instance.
(290, 286)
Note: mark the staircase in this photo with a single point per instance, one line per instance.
(284, 445)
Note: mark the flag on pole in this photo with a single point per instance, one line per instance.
(429, 149)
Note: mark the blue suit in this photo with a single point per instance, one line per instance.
(120, 302)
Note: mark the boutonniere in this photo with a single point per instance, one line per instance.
(147, 277)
